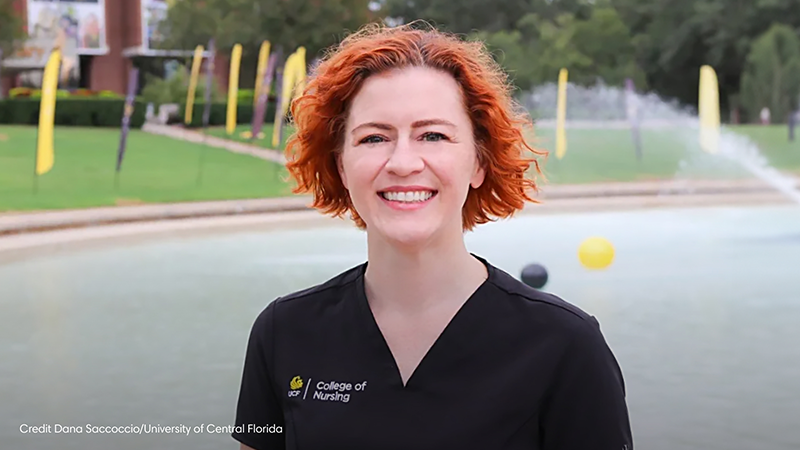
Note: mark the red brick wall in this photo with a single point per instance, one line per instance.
(123, 30)
(110, 71)
(222, 70)
(6, 83)
(132, 22)
(9, 81)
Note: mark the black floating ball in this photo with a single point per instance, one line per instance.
(534, 275)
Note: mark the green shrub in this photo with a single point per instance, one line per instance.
(109, 94)
(219, 113)
(20, 92)
(91, 112)
(246, 96)
(161, 91)
(5, 115)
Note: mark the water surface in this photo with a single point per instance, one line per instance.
(701, 308)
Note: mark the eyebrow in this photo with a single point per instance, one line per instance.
(417, 124)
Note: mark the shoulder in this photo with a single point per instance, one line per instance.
(332, 289)
(573, 335)
(302, 303)
(539, 305)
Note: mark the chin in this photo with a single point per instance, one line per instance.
(410, 235)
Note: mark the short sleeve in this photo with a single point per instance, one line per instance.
(259, 417)
(586, 407)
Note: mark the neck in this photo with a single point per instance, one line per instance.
(413, 280)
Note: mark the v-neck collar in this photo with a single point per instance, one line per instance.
(387, 358)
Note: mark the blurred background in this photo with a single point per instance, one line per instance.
(145, 218)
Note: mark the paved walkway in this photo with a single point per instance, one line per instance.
(591, 196)
(23, 244)
(177, 132)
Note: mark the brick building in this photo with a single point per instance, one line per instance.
(106, 39)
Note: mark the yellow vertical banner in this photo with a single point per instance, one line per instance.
(289, 80)
(708, 109)
(281, 108)
(45, 151)
(263, 59)
(294, 78)
(300, 80)
(233, 88)
(196, 63)
(561, 114)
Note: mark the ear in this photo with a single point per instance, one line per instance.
(478, 176)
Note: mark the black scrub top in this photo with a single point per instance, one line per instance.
(516, 368)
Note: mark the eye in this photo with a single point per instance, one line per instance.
(371, 139)
(433, 136)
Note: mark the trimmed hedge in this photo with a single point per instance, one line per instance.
(94, 112)
(219, 113)
(107, 112)
(23, 92)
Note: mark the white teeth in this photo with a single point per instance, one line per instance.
(408, 197)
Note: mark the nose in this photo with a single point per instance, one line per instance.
(404, 159)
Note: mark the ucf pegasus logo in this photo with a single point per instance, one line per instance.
(295, 385)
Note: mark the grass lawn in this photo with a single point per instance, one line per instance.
(159, 169)
(609, 155)
(243, 131)
(773, 140)
(599, 155)
(155, 169)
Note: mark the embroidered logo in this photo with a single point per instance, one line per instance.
(296, 383)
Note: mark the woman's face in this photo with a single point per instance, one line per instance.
(409, 155)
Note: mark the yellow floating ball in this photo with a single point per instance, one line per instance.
(596, 253)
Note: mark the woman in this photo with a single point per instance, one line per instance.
(424, 346)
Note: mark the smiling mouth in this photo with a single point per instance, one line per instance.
(408, 197)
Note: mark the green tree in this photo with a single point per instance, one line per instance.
(487, 16)
(669, 45)
(605, 40)
(598, 47)
(464, 16)
(314, 24)
(772, 74)
(512, 53)
(11, 29)
(674, 38)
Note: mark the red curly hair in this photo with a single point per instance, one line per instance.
(321, 111)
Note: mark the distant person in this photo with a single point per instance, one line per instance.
(425, 345)
(765, 116)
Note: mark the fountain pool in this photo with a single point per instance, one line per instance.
(701, 307)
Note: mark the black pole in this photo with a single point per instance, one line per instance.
(279, 102)
(36, 164)
(792, 123)
(209, 84)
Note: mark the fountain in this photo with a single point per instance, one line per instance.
(607, 107)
